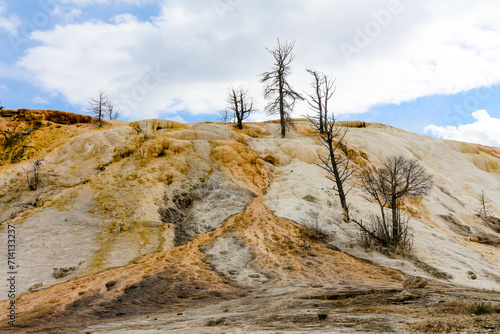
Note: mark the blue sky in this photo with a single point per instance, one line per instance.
(424, 66)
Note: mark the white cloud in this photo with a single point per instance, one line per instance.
(67, 14)
(258, 116)
(183, 59)
(70, 10)
(177, 119)
(84, 3)
(9, 23)
(486, 130)
(40, 100)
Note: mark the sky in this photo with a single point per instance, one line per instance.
(430, 67)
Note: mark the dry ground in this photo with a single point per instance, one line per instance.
(349, 308)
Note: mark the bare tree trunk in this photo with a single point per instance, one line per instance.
(335, 164)
(395, 222)
(338, 181)
(282, 108)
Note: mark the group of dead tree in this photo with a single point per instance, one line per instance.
(396, 179)
(278, 90)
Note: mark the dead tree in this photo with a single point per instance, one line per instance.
(396, 179)
(100, 107)
(111, 112)
(225, 116)
(482, 210)
(323, 87)
(335, 163)
(33, 175)
(240, 104)
(277, 89)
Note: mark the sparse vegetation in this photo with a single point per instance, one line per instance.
(322, 316)
(481, 308)
(456, 316)
(316, 232)
(13, 144)
(438, 326)
(398, 178)
(14, 136)
(277, 88)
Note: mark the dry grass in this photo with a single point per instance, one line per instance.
(458, 316)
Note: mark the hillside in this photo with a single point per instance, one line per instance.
(159, 217)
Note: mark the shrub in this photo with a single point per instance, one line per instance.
(316, 232)
(481, 308)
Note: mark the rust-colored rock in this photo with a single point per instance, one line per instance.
(56, 116)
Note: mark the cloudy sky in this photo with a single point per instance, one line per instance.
(431, 67)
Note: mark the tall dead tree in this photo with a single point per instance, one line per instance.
(335, 163)
(331, 136)
(100, 107)
(277, 88)
(396, 179)
(323, 87)
(241, 105)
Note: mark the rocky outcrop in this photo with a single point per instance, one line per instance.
(55, 116)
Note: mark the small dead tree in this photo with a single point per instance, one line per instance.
(100, 107)
(225, 116)
(240, 104)
(111, 112)
(277, 89)
(397, 178)
(33, 175)
(483, 210)
(323, 87)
